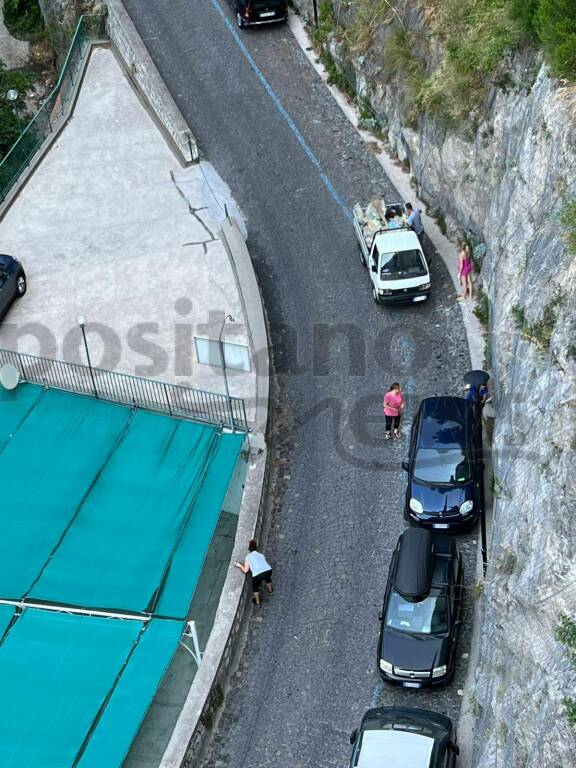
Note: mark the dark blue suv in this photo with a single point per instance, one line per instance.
(444, 466)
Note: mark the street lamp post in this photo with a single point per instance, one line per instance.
(81, 320)
(12, 96)
(223, 364)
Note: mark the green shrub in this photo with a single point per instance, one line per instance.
(523, 12)
(326, 24)
(23, 17)
(482, 308)
(555, 22)
(336, 76)
(369, 15)
(540, 331)
(570, 705)
(519, 315)
(9, 125)
(566, 634)
(568, 222)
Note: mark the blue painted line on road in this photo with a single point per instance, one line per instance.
(283, 111)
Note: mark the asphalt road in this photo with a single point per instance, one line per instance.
(308, 671)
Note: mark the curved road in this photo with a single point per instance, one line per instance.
(308, 671)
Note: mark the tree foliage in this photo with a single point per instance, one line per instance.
(23, 17)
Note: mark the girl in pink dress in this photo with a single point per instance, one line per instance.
(393, 407)
(465, 271)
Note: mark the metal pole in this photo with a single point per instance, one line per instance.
(89, 361)
(223, 363)
(484, 541)
(315, 7)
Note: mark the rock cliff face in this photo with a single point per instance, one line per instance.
(505, 182)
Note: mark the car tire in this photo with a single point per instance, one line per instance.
(240, 20)
(375, 295)
(20, 284)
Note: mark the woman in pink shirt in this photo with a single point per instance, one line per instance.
(393, 407)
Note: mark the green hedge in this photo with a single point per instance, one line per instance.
(553, 24)
(23, 17)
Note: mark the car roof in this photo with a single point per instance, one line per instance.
(395, 749)
(391, 240)
(414, 564)
(5, 259)
(442, 422)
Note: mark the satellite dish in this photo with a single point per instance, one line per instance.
(9, 376)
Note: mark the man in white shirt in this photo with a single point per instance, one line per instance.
(261, 570)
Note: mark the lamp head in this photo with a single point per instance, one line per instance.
(12, 94)
(81, 321)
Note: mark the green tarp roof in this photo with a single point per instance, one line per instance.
(76, 688)
(103, 509)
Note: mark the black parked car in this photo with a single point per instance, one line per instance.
(12, 282)
(255, 12)
(394, 737)
(422, 611)
(444, 468)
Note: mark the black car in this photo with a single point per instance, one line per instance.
(444, 467)
(394, 737)
(12, 282)
(255, 12)
(422, 611)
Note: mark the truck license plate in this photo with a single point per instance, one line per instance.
(440, 525)
(411, 685)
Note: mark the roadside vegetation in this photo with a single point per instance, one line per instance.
(9, 125)
(23, 18)
(540, 331)
(475, 39)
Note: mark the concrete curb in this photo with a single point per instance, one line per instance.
(233, 240)
(206, 696)
(143, 74)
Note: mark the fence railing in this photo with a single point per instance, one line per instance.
(173, 399)
(51, 113)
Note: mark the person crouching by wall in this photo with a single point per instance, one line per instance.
(261, 570)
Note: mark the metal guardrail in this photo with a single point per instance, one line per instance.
(50, 115)
(149, 394)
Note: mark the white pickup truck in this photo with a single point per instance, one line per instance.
(392, 252)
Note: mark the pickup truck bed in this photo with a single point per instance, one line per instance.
(369, 220)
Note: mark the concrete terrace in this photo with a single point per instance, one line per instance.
(112, 227)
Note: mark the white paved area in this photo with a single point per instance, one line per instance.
(111, 227)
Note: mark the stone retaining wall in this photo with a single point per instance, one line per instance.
(146, 78)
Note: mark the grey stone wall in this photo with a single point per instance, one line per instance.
(505, 183)
(147, 79)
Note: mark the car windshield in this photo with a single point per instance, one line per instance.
(449, 466)
(427, 617)
(402, 264)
